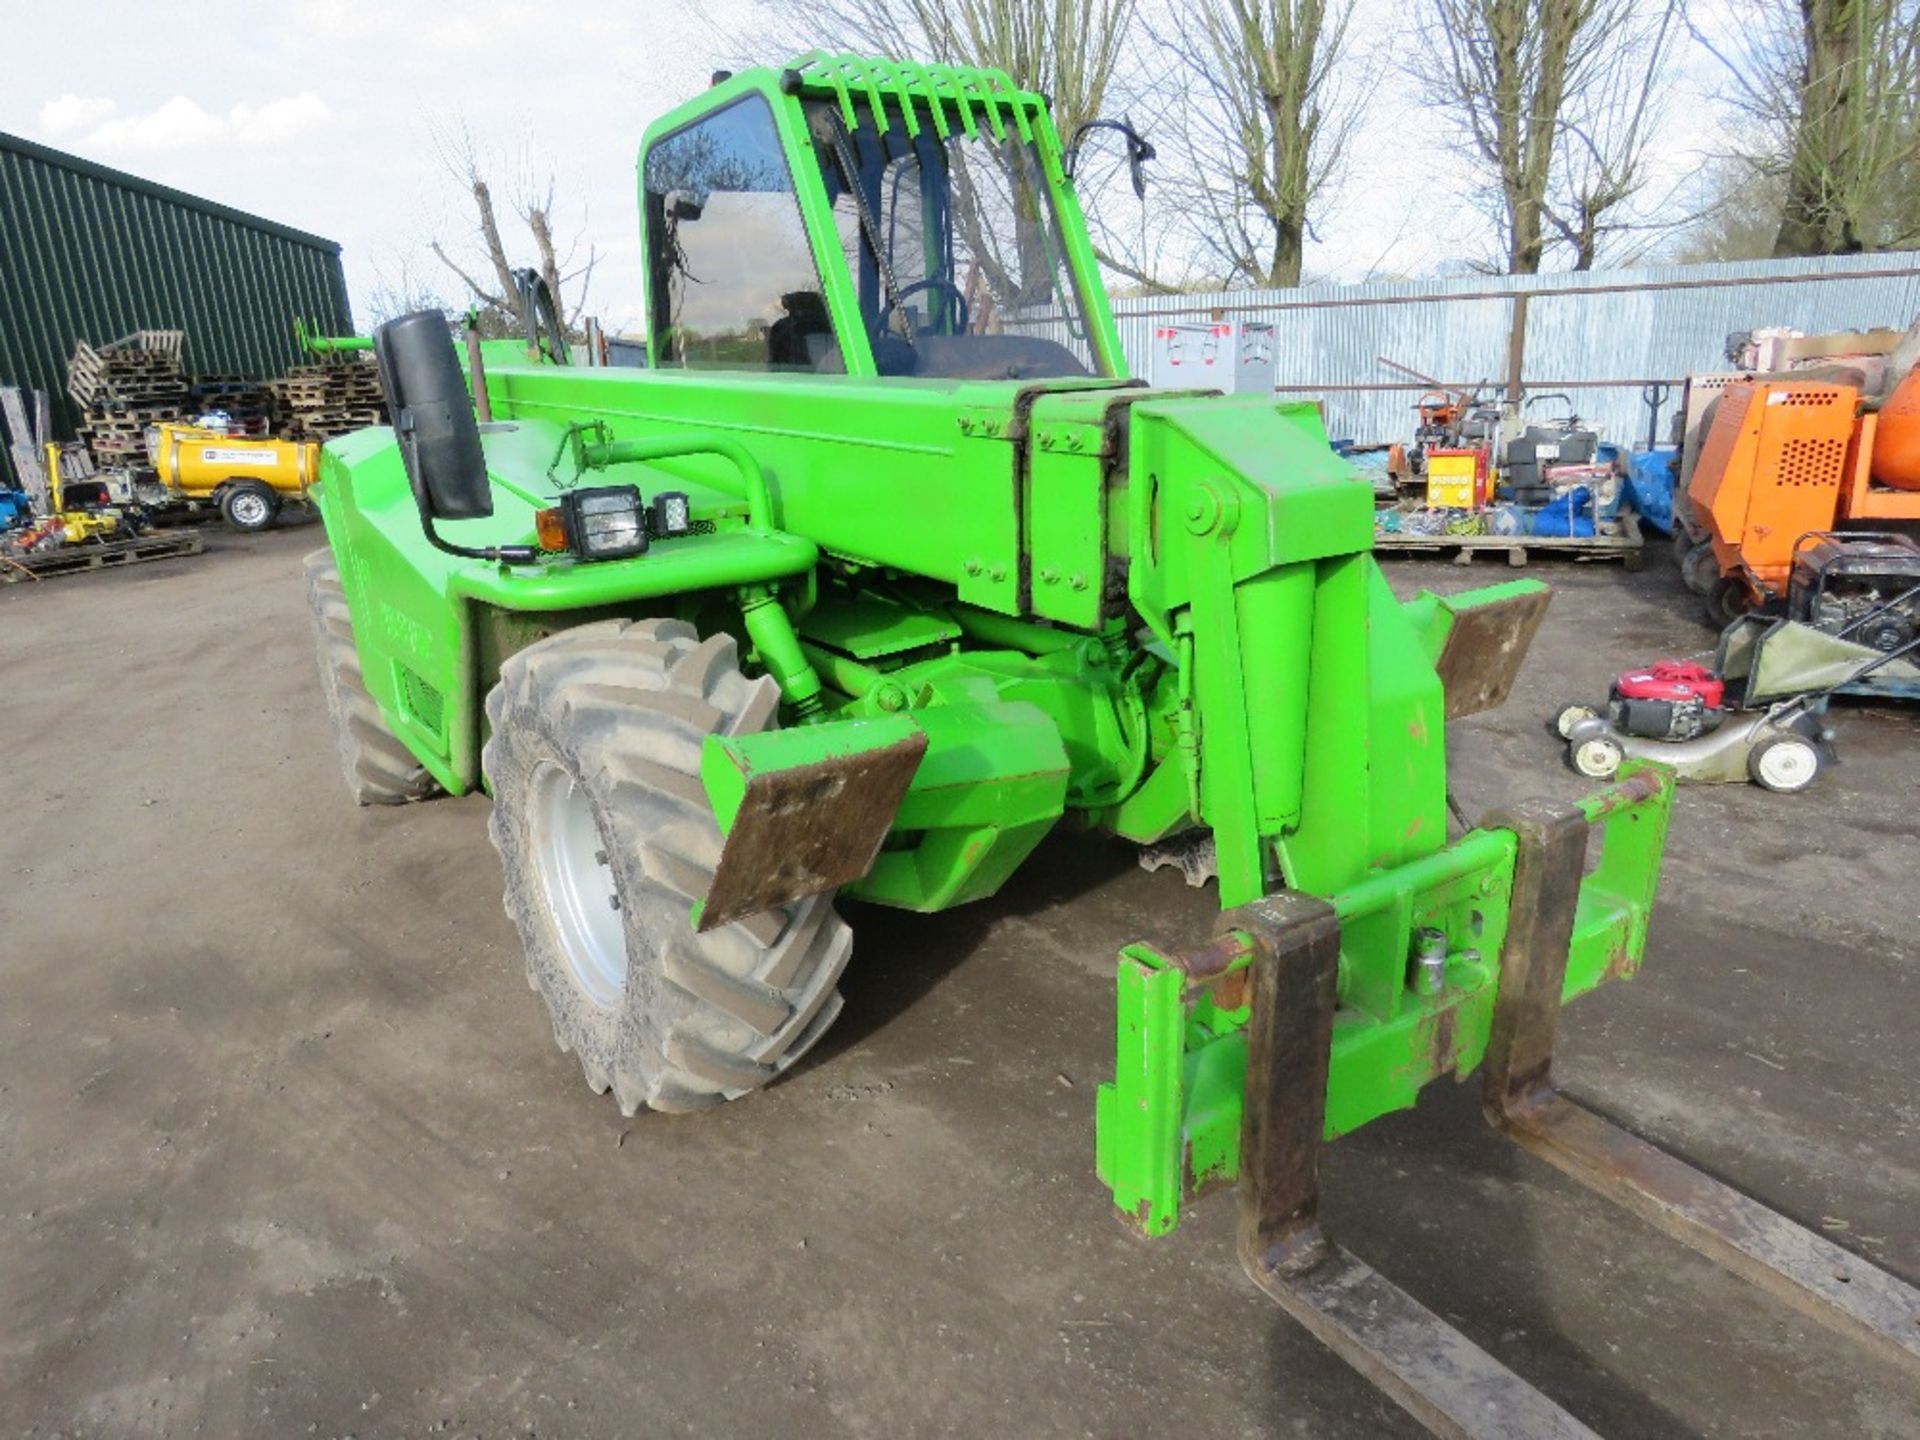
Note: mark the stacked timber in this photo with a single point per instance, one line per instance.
(123, 387)
(318, 402)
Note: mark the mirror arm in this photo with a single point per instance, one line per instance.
(436, 433)
(505, 554)
(1139, 150)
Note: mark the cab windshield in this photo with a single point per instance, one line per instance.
(954, 247)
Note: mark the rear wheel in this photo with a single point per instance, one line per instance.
(1784, 764)
(1728, 600)
(607, 840)
(1571, 715)
(379, 770)
(249, 505)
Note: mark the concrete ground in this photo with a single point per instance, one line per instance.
(286, 1147)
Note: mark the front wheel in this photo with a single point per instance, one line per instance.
(1784, 764)
(607, 840)
(1598, 759)
(1700, 568)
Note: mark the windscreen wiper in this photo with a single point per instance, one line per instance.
(843, 156)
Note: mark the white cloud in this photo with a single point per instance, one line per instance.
(176, 125)
(281, 120)
(184, 124)
(74, 112)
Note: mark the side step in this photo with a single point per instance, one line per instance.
(1425, 1365)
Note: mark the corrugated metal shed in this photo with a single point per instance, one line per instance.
(1625, 326)
(92, 253)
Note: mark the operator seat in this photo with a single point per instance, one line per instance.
(799, 339)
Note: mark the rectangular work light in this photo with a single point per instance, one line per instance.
(611, 522)
(606, 522)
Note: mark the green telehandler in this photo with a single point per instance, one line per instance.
(883, 569)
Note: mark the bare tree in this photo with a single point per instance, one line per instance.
(534, 207)
(1511, 75)
(1607, 130)
(1737, 213)
(1071, 52)
(1832, 91)
(1263, 126)
(399, 290)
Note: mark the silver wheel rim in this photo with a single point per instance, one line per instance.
(1788, 765)
(577, 883)
(249, 509)
(1596, 758)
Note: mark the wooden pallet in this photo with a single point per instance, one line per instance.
(1626, 547)
(145, 354)
(72, 559)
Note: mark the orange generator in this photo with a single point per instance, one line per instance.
(1782, 459)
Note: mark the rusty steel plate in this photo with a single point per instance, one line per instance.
(1484, 650)
(809, 828)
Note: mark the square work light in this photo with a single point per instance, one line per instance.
(669, 515)
(606, 522)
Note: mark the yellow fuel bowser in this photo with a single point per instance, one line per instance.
(248, 479)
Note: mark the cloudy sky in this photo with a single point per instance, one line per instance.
(323, 114)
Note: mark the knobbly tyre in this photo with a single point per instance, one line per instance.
(884, 568)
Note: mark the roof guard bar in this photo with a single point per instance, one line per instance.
(894, 73)
(936, 102)
(990, 91)
(943, 74)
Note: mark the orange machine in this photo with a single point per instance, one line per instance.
(1896, 442)
(1784, 458)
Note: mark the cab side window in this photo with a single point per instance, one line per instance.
(732, 280)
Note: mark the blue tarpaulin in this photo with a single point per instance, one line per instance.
(1649, 486)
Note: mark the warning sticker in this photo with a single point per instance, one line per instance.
(216, 456)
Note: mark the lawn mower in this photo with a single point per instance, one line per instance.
(1757, 713)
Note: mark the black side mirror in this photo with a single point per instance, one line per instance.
(433, 417)
(1138, 151)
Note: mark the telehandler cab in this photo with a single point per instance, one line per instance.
(883, 569)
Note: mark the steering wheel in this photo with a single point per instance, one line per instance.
(958, 315)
